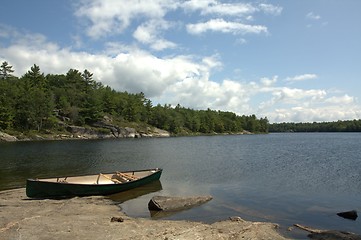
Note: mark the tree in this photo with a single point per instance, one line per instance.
(7, 99)
(5, 70)
(36, 78)
(88, 77)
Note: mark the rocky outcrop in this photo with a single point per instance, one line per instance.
(97, 132)
(155, 132)
(7, 138)
(85, 133)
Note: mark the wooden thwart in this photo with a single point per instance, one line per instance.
(123, 177)
(127, 176)
(111, 179)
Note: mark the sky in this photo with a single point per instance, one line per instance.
(287, 60)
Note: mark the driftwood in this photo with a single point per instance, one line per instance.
(167, 203)
(328, 234)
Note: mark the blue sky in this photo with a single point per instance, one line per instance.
(296, 61)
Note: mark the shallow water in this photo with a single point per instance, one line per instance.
(286, 178)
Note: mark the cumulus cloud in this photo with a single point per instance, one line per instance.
(105, 18)
(220, 25)
(268, 82)
(345, 99)
(113, 17)
(149, 33)
(314, 114)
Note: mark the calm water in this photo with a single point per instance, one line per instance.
(303, 178)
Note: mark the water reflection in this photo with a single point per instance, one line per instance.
(136, 192)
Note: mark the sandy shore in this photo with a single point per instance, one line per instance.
(90, 218)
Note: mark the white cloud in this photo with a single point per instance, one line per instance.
(149, 33)
(270, 9)
(268, 82)
(313, 16)
(212, 7)
(232, 9)
(109, 18)
(345, 99)
(220, 25)
(302, 77)
(113, 17)
(314, 114)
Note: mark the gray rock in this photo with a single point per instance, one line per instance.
(168, 203)
(6, 137)
(348, 215)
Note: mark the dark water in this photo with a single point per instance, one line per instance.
(283, 178)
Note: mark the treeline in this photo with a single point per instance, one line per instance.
(36, 101)
(339, 126)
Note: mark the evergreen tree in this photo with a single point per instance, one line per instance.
(5, 70)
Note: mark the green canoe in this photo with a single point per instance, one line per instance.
(97, 184)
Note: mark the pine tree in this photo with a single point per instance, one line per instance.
(5, 70)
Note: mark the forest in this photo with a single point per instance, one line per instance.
(35, 102)
(337, 126)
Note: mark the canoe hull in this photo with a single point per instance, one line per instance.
(45, 189)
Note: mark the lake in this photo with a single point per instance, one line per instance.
(285, 178)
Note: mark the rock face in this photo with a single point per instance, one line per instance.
(7, 138)
(167, 203)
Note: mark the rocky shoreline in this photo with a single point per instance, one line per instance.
(76, 132)
(99, 218)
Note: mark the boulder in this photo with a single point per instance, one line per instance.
(169, 203)
(348, 215)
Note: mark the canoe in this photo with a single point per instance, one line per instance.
(97, 184)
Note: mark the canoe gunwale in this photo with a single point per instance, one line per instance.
(86, 175)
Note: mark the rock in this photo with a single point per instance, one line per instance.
(168, 203)
(348, 215)
(7, 138)
(116, 219)
(334, 235)
(160, 133)
(328, 234)
(236, 219)
(130, 132)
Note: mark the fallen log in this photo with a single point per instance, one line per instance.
(168, 203)
(328, 234)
